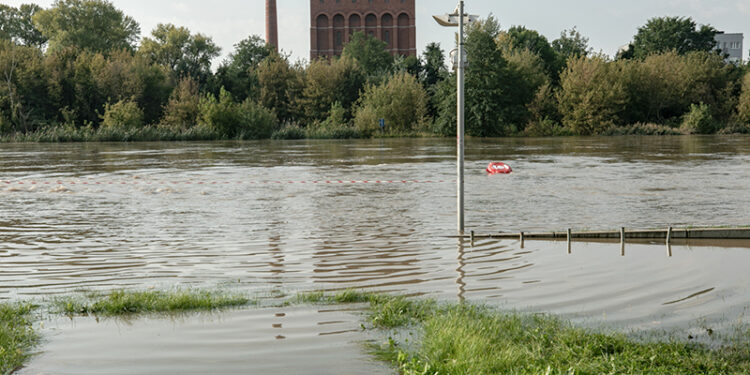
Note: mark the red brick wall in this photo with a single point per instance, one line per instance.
(333, 21)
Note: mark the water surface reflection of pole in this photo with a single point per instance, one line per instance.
(461, 272)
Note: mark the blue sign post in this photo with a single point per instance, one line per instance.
(382, 124)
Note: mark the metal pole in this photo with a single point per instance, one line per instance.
(460, 84)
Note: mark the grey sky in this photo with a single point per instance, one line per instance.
(609, 24)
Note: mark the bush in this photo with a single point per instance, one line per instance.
(255, 121)
(699, 120)
(246, 121)
(5, 125)
(545, 127)
(401, 101)
(124, 114)
(334, 127)
(642, 129)
(735, 128)
(338, 81)
(289, 131)
(592, 95)
(220, 114)
(184, 106)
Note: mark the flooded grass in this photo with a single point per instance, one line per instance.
(17, 335)
(133, 302)
(469, 339)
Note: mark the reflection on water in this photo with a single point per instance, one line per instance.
(292, 340)
(103, 216)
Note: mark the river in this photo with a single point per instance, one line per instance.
(375, 214)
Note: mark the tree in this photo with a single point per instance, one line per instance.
(91, 25)
(433, 67)
(433, 72)
(132, 77)
(743, 109)
(592, 95)
(183, 109)
(16, 25)
(23, 92)
(125, 114)
(185, 54)
(238, 72)
(673, 33)
(247, 120)
(489, 87)
(571, 44)
(281, 86)
(401, 101)
(520, 38)
(337, 81)
(371, 53)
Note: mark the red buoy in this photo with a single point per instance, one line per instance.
(499, 168)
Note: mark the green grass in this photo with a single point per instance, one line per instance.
(134, 302)
(469, 339)
(17, 336)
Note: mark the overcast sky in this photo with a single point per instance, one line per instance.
(608, 24)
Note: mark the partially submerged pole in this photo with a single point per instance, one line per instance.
(460, 85)
(570, 241)
(622, 241)
(669, 235)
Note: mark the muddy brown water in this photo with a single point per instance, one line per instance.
(329, 215)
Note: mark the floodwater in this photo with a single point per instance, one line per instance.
(374, 214)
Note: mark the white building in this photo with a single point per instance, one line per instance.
(732, 45)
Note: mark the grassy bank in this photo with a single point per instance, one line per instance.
(60, 134)
(134, 302)
(467, 339)
(17, 336)
(442, 338)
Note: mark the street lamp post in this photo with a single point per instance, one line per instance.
(459, 18)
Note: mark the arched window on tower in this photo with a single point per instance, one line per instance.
(323, 33)
(403, 33)
(338, 32)
(355, 23)
(387, 33)
(371, 25)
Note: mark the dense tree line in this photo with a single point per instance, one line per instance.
(79, 70)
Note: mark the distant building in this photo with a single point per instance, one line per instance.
(732, 45)
(332, 22)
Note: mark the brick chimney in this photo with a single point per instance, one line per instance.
(272, 28)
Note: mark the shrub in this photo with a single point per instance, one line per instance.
(334, 127)
(184, 106)
(642, 129)
(246, 121)
(5, 125)
(289, 131)
(124, 114)
(545, 127)
(338, 81)
(699, 120)
(221, 115)
(735, 128)
(255, 122)
(401, 101)
(592, 95)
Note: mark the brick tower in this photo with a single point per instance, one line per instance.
(333, 21)
(272, 27)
